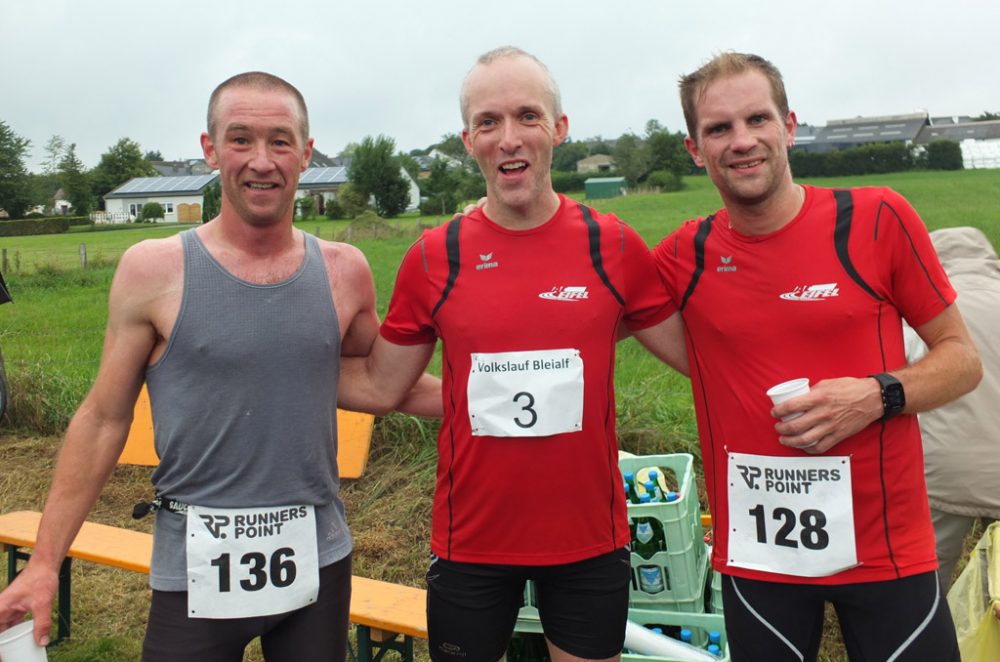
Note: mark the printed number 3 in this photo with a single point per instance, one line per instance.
(528, 408)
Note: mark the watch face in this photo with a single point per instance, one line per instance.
(894, 396)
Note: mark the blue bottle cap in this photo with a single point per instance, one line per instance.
(714, 650)
(671, 496)
(645, 498)
(714, 636)
(629, 476)
(685, 635)
(653, 473)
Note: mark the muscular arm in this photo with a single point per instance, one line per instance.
(666, 342)
(391, 379)
(94, 439)
(388, 378)
(838, 408)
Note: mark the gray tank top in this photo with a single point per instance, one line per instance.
(244, 403)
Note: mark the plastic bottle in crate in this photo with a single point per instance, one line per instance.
(648, 541)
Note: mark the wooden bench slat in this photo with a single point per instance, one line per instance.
(376, 604)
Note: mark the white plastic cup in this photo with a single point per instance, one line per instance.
(18, 644)
(787, 390)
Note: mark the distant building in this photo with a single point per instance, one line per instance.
(844, 134)
(322, 185)
(596, 163)
(980, 141)
(181, 197)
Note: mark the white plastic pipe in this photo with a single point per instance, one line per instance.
(646, 642)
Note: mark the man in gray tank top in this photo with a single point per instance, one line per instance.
(237, 327)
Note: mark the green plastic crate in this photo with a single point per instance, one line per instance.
(685, 558)
(699, 624)
(716, 599)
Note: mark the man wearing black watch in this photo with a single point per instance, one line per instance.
(893, 395)
(821, 498)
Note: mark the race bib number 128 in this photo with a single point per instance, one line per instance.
(791, 515)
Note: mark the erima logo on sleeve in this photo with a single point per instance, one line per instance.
(565, 293)
(812, 292)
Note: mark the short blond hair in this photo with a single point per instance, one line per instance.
(721, 66)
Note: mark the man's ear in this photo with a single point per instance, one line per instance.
(692, 148)
(467, 141)
(306, 155)
(561, 130)
(208, 149)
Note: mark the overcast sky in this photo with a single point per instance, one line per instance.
(96, 71)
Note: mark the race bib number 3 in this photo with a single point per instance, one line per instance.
(526, 394)
(246, 562)
(791, 515)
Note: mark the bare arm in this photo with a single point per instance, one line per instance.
(385, 380)
(838, 408)
(94, 440)
(422, 393)
(666, 342)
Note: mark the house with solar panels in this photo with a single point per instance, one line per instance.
(181, 198)
(322, 184)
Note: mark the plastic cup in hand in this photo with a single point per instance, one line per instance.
(18, 644)
(787, 390)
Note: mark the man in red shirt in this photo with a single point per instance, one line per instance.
(789, 281)
(528, 295)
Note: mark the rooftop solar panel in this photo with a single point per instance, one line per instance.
(181, 184)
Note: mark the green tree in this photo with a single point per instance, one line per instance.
(305, 206)
(122, 162)
(631, 158)
(944, 155)
(565, 155)
(441, 188)
(376, 171)
(151, 211)
(211, 203)
(14, 185)
(55, 150)
(666, 151)
(75, 182)
(153, 155)
(351, 200)
(410, 165)
(987, 116)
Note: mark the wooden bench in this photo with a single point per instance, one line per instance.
(388, 616)
(354, 437)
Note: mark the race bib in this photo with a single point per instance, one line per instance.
(251, 561)
(526, 394)
(791, 515)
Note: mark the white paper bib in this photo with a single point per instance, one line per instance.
(526, 394)
(246, 562)
(791, 515)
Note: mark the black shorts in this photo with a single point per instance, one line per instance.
(472, 608)
(317, 632)
(901, 619)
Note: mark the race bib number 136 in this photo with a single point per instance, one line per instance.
(246, 562)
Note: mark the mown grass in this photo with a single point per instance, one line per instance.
(51, 338)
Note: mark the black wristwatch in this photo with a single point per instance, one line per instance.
(893, 397)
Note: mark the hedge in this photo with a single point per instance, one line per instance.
(26, 226)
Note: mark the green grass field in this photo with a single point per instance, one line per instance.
(51, 338)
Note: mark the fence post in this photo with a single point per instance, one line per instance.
(83, 256)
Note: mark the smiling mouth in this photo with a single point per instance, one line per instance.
(744, 166)
(254, 186)
(514, 167)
